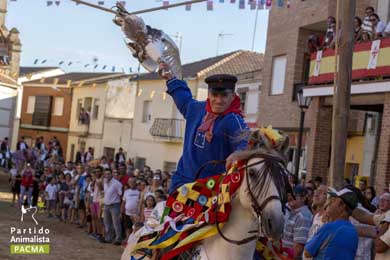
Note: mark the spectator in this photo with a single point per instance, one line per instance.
(330, 35)
(347, 181)
(384, 203)
(88, 156)
(97, 182)
(310, 184)
(370, 195)
(381, 233)
(362, 185)
(112, 200)
(120, 158)
(317, 181)
(337, 239)
(26, 185)
(81, 190)
(313, 43)
(131, 205)
(309, 198)
(15, 181)
(298, 222)
(319, 200)
(21, 145)
(365, 244)
(378, 27)
(103, 163)
(357, 28)
(387, 30)
(365, 36)
(150, 203)
(367, 24)
(51, 195)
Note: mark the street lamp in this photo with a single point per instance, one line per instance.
(303, 103)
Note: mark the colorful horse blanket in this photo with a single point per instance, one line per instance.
(191, 214)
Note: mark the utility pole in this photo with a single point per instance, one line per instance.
(342, 90)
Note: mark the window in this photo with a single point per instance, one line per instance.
(88, 104)
(146, 113)
(95, 108)
(278, 74)
(79, 106)
(42, 111)
(58, 106)
(30, 105)
(242, 93)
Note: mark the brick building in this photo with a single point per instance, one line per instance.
(289, 65)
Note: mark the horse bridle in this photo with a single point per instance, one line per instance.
(256, 207)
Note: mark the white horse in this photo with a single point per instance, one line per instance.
(258, 206)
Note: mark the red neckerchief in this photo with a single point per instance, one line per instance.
(209, 119)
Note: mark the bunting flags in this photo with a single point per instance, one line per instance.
(254, 4)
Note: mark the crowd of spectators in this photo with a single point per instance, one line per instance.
(369, 28)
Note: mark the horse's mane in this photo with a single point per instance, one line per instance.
(273, 155)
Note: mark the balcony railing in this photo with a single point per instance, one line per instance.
(168, 128)
(371, 60)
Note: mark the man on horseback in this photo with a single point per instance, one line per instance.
(213, 127)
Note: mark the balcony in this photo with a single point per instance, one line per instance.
(168, 129)
(370, 62)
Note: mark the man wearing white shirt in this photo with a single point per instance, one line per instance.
(387, 30)
(112, 207)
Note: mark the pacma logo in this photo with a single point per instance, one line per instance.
(25, 210)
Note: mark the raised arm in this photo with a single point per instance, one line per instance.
(181, 95)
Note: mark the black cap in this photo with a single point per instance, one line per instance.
(221, 83)
(347, 196)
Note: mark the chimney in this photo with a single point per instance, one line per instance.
(3, 12)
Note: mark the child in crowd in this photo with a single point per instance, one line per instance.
(51, 195)
(150, 203)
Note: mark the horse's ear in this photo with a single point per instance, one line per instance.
(285, 144)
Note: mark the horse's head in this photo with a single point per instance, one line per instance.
(263, 189)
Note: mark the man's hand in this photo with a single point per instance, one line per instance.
(164, 71)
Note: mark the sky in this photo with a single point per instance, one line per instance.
(79, 34)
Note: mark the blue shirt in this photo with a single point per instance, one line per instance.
(333, 241)
(196, 149)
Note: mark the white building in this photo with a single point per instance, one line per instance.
(109, 100)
